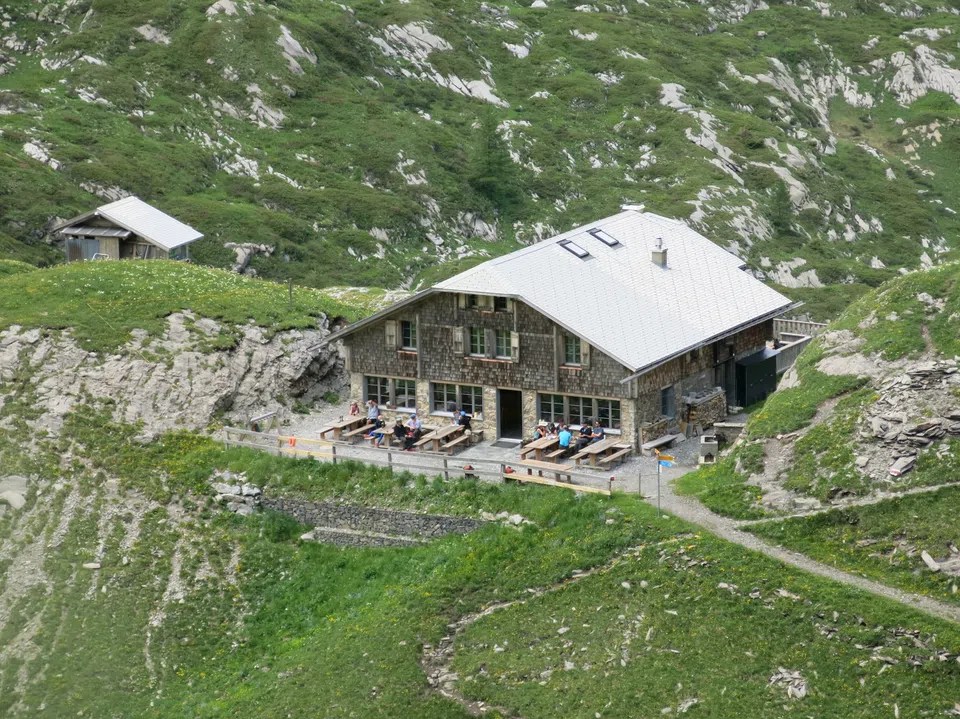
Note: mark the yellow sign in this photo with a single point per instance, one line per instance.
(665, 457)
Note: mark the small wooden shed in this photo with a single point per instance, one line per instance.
(127, 229)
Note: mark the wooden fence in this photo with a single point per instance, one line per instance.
(797, 327)
(788, 353)
(419, 462)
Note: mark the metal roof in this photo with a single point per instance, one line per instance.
(87, 231)
(620, 301)
(133, 214)
(150, 223)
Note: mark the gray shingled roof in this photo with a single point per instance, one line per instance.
(135, 215)
(619, 300)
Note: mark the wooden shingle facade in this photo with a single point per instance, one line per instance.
(419, 358)
(635, 320)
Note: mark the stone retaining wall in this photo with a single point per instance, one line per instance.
(368, 519)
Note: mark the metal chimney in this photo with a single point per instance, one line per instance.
(659, 254)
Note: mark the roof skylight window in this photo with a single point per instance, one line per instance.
(574, 249)
(605, 237)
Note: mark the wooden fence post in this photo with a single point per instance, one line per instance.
(333, 453)
(390, 460)
(446, 471)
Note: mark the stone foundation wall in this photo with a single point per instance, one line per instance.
(368, 519)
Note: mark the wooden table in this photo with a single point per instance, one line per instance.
(598, 449)
(337, 428)
(538, 446)
(437, 436)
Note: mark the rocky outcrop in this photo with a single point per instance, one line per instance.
(175, 381)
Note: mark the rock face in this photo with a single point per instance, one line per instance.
(173, 382)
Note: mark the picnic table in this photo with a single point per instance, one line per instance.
(439, 435)
(538, 446)
(603, 450)
(340, 426)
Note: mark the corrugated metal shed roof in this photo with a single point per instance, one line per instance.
(618, 299)
(148, 222)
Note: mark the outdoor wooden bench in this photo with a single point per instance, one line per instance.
(556, 453)
(387, 438)
(665, 441)
(580, 455)
(616, 457)
(454, 442)
(358, 431)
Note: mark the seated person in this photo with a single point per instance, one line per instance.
(586, 433)
(463, 419)
(399, 432)
(565, 437)
(354, 409)
(414, 429)
(598, 434)
(378, 430)
(373, 411)
(552, 430)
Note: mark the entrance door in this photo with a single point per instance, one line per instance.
(509, 414)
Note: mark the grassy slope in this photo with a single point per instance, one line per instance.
(102, 302)
(895, 330)
(340, 631)
(349, 131)
(863, 540)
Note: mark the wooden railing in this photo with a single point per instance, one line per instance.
(418, 462)
(788, 353)
(797, 327)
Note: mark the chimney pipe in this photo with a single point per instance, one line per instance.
(659, 254)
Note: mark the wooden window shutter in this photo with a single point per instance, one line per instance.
(515, 346)
(490, 343)
(485, 302)
(347, 358)
(584, 354)
(390, 334)
(458, 333)
(461, 301)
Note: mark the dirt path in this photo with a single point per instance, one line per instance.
(860, 502)
(691, 510)
(437, 661)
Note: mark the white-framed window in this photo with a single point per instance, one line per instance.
(446, 397)
(388, 391)
(551, 407)
(608, 412)
(471, 399)
(408, 335)
(378, 389)
(405, 393)
(501, 304)
(579, 410)
(503, 344)
(478, 342)
(571, 350)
